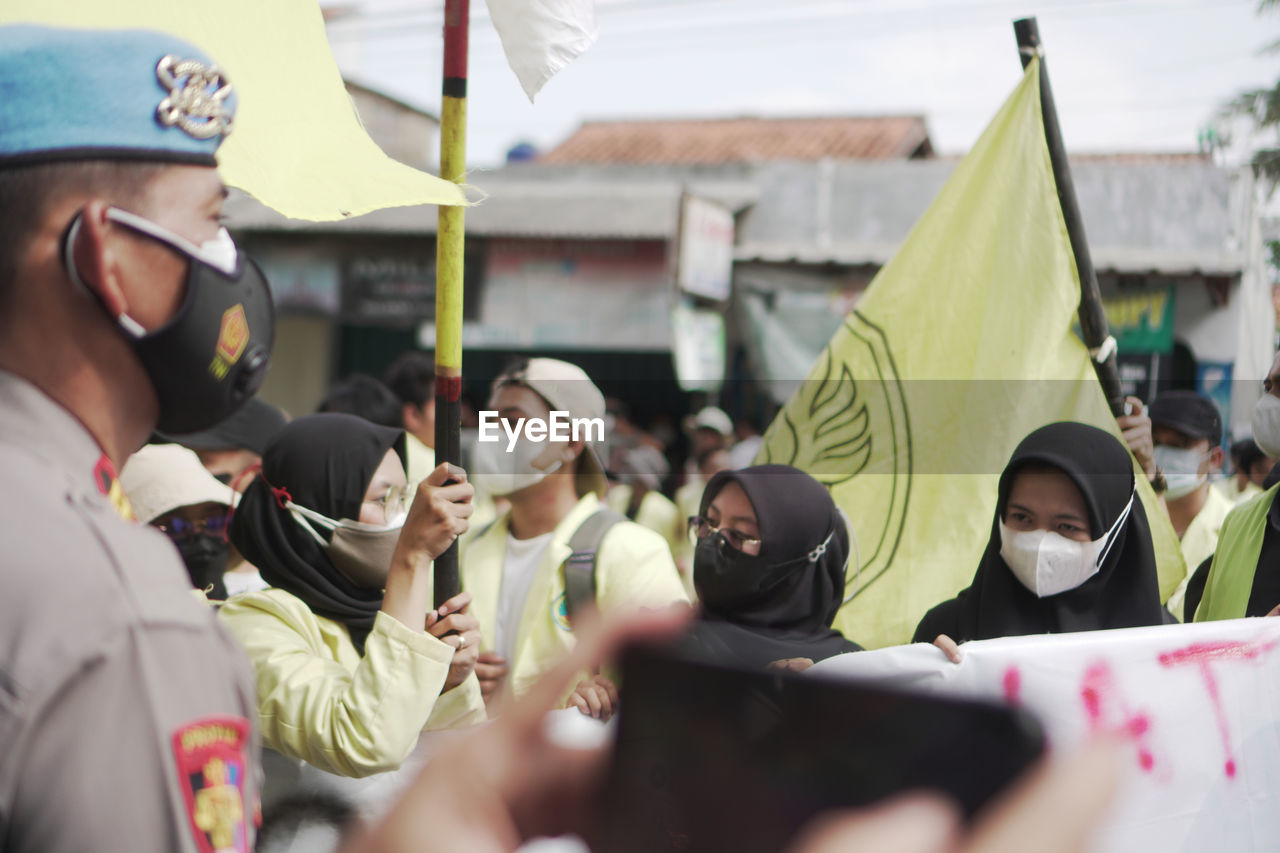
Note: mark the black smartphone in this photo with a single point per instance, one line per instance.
(710, 758)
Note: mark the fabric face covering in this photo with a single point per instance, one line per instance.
(361, 552)
(728, 578)
(212, 354)
(205, 557)
(501, 472)
(1266, 425)
(1047, 563)
(1181, 469)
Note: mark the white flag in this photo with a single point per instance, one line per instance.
(540, 37)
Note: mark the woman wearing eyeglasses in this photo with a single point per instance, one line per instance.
(352, 663)
(769, 566)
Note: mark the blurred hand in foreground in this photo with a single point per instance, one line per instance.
(509, 782)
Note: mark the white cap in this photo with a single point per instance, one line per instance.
(711, 418)
(159, 478)
(566, 387)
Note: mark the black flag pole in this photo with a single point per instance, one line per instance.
(1093, 320)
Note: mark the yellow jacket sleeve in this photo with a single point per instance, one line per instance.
(634, 569)
(320, 701)
(461, 707)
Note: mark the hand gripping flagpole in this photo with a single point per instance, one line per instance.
(450, 241)
(1093, 319)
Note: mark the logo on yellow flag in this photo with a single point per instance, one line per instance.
(854, 433)
(959, 348)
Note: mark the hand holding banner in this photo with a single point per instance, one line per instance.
(1196, 703)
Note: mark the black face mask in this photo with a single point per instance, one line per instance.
(213, 355)
(727, 578)
(206, 559)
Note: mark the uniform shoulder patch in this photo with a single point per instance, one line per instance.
(212, 758)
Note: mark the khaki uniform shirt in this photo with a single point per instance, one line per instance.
(125, 710)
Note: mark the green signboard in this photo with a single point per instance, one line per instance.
(1142, 321)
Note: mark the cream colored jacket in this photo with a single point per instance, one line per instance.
(320, 701)
(633, 569)
(657, 512)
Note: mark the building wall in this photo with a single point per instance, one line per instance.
(574, 295)
(405, 134)
(300, 363)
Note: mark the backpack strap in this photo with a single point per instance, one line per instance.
(580, 566)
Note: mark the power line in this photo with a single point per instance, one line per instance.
(804, 13)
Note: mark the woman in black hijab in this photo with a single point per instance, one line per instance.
(323, 464)
(1070, 547)
(769, 568)
(351, 662)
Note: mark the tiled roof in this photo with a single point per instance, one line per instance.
(745, 140)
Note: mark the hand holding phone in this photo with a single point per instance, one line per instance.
(713, 758)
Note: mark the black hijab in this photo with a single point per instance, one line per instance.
(325, 463)
(1124, 593)
(795, 514)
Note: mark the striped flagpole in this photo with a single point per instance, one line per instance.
(450, 241)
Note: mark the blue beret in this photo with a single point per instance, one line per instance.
(70, 94)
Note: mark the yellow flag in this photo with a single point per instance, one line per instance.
(960, 347)
(297, 145)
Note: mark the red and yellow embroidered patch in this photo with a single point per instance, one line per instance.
(211, 754)
(104, 477)
(233, 337)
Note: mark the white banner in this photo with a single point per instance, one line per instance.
(1199, 704)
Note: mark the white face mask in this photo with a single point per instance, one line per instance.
(1181, 469)
(501, 472)
(1048, 563)
(361, 552)
(1266, 425)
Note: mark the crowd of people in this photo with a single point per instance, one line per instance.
(140, 704)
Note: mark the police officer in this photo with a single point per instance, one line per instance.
(125, 710)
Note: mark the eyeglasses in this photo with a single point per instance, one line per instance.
(180, 528)
(701, 528)
(393, 503)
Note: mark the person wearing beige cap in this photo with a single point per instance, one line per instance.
(637, 495)
(709, 431)
(172, 491)
(519, 570)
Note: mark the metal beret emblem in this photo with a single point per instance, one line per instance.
(196, 103)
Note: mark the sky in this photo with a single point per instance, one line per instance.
(1127, 75)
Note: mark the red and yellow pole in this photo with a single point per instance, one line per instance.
(450, 245)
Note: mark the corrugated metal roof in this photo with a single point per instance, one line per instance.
(529, 208)
(1170, 218)
(1138, 218)
(744, 140)
(1145, 158)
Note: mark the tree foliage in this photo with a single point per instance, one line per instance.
(1263, 107)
